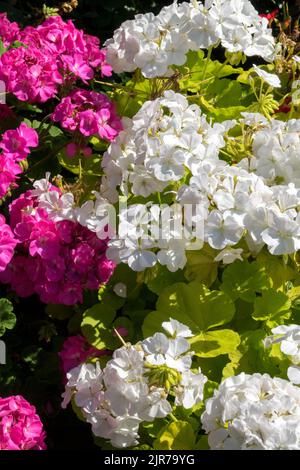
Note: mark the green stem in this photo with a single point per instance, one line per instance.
(222, 67)
(207, 60)
(173, 418)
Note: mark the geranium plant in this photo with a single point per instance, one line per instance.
(151, 195)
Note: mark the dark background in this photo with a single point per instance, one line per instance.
(103, 17)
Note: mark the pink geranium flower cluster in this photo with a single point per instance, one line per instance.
(53, 54)
(7, 244)
(15, 146)
(9, 32)
(56, 260)
(75, 351)
(89, 113)
(20, 426)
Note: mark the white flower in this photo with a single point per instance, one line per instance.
(223, 229)
(156, 347)
(293, 374)
(155, 43)
(173, 256)
(229, 255)
(155, 405)
(190, 391)
(283, 234)
(177, 329)
(129, 390)
(288, 336)
(127, 362)
(41, 186)
(176, 357)
(267, 77)
(253, 412)
(59, 207)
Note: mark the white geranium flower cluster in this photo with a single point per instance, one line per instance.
(240, 204)
(253, 412)
(276, 149)
(136, 384)
(164, 139)
(289, 338)
(155, 43)
(149, 234)
(170, 148)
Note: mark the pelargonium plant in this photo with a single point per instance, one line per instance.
(150, 229)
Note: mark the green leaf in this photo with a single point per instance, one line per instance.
(97, 326)
(192, 304)
(201, 266)
(225, 93)
(123, 274)
(7, 317)
(192, 71)
(276, 269)
(89, 165)
(2, 47)
(162, 278)
(256, 358)
(243, 280)
(55, 131)
(272, 306)
(202, 444)
(110, 298)
(221, 114)
(215, 343)
(176, 436)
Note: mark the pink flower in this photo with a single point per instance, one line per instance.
(9, 32)
(7, 244)
(75, 351)
(55, 53)
(56, 260)
(73, 149)
(20, 426)
(88, 113)
(270, 16)
(16, 143)
(77, 65)
(15, 147)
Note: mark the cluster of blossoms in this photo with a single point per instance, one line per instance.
(9, 32)
(169, 147)
(136, 384)
(7, 244)
(288, 336)
(55, 256)
(15, 146)
(75, 351)
(165, 138)
(20, 426)
(276, 147)
(88, 113)
(155, 43)
(253, 412)
(51, 55)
